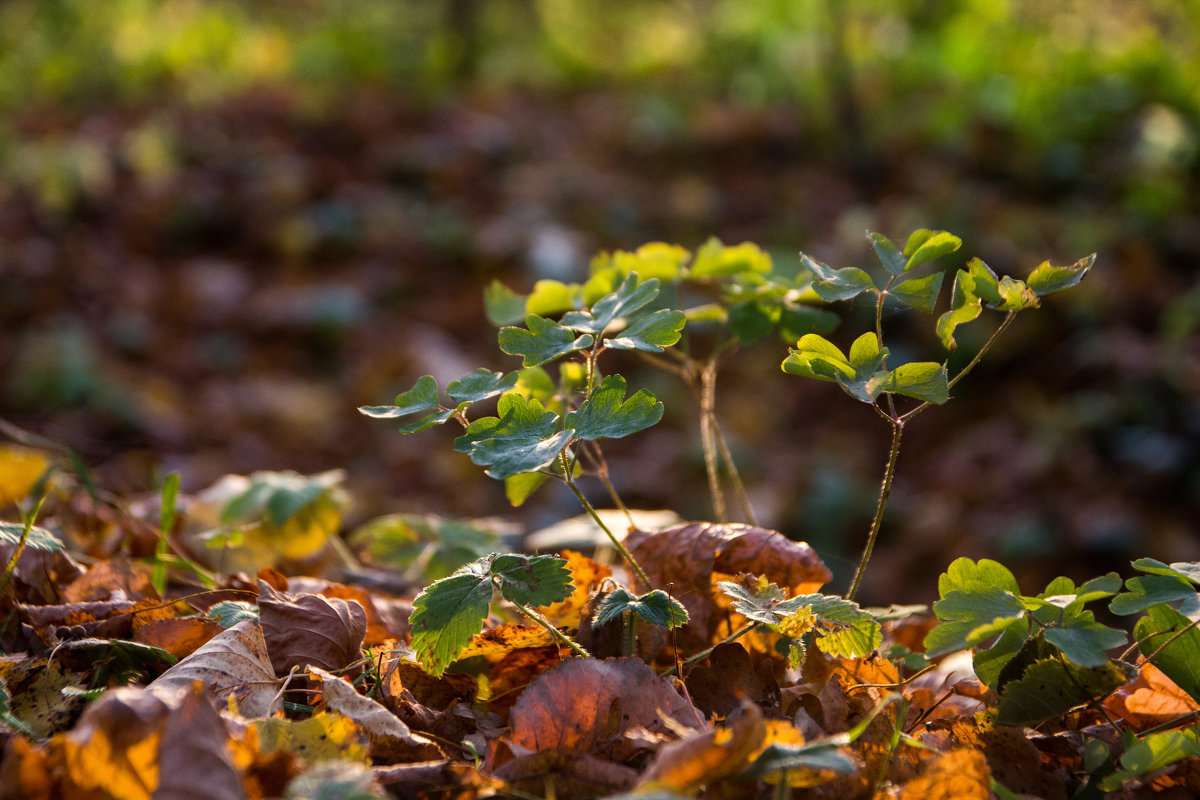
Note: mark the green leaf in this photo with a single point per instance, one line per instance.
(1015, 295)
(925, 245)
(607, 415)
(38, 539)
(1177, 660)
(1047, 279)
(715, 260)
(922, 380)
(532, 580)
(758, 606)
(964, 307)
(433, 545)
(447, 614)
(650, 333)
(519, 488)
(1152, 753)
(861, 374)
(652, 260)
(502, 305)
(480, 385)
(965, 575)
(1148, 590)
(656, 607)
(1188, 570)
(919, 293)
(891, 258)
(551, 297)
(629, 297)
(545, 340)
(990, 662)
(749, 321)
(818, 755)
(521, 439)
(969, 617)
(1083, 640)
(1050, 688)
(422, 397)
(832, 285)
(228, 613)
(816, 357)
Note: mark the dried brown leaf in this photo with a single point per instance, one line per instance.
(233, 663)
(310, 630)
(707, 756)
(957, 774)
(391, 740)
(179, 636)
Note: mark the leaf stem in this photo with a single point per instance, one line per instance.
(885, 489)
(602, 474)
(583, 501)
(553, 631)
(703, 654)
(707, 396)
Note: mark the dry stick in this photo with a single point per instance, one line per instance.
(602, 474)
(583, 501)
(708, 440)
(885, 489)
(708, 406)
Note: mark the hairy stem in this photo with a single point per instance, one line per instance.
(583, 501)
(885, 489)
(553, 631)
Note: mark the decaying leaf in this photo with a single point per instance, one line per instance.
(956, 774)
(505, 639)
(234, 664)
(709, 755)
(321, 737)
(309, 629)
(391, 740)
(178, 636)
(582, 702)
(586, 576)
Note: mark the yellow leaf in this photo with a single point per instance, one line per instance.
(20, 468)
(321, 737)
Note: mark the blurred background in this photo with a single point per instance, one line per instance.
(224, 225)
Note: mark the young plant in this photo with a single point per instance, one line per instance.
(865, 374)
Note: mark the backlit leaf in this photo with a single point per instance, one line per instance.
(656, 607)
(518, 488)
(1083, 640)
(832, 284)
(38, 538)
(962, 613)
(480, 385)
(650, 333)
(965, 575)
(446, 615)
(1148, 590)
(551, 297)
(422, 397)
(532, 580)
(1178, 659)
(715, 260)
(922, 380)
(606, 414)
(629, 297)
(925, 245)
(1015, 295)
(1047, 279)
(541, 341)
(502, 305)
(889, 255)
(816, 357)
(919, 293)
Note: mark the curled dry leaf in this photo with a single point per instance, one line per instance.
(707, 756)
(232, 664)
(582, 702)
(687, 556)
(141, 743)
(309, 629)
(391, 740)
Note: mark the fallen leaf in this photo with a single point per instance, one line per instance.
(178, 636)
(511, 675)
(719, 686)
(321, 737)
(310, 630)
(707, 756)
(436, 693)
(571, 707)
(37, 698)
(234, 663)
(336, 779)
(504, 639)
(20, 469)
(957, 774)
(137, 743)
(112, 579)
(25, 771)
(391, 740)
(565, 773)
(1150, 700)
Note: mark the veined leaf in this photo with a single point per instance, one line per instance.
(919, 293)
(656, 607)
(922, 380)
(532, 580)
(521, 439)
(447, 614)
(970, 617)
(479, 385)
(965, 575)
(1016, 296)
(759, 605)
(544, 340)
(816, 357)
(925, 245)
(650, 333)
(422, 397)
(629, 297)
(889, 255)
(38, 539)
(832, 284)
(607, 415)
(1149, 590)
(1047, 279)
(1050, 688)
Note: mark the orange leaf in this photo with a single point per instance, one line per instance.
(586, 576)
(961, 774)
(707, 756)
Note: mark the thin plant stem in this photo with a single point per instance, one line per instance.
(553, 631)
(11, 567)
(735, 477)
(885, 489)
(602, 474)
(1001, 328)
(703, 654)
(583, 501)
(707, 396)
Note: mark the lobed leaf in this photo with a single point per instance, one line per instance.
(541, 341)
(650, 333)
(965, 575)
(629, 297)
(1083, 640)
(970, 617)
(479, 385)
(422, 397)
(1050, 688)
(889, 255)
(656, 607)
(832, 284)
(715, 260)
(502, 305)
(607, 415)
(1149, 590)
(447, 614)
(521, 439)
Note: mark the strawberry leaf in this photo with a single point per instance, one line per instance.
(447, 614)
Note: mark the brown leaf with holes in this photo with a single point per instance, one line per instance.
(582, 702)
(688, 560)
(310, 630)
